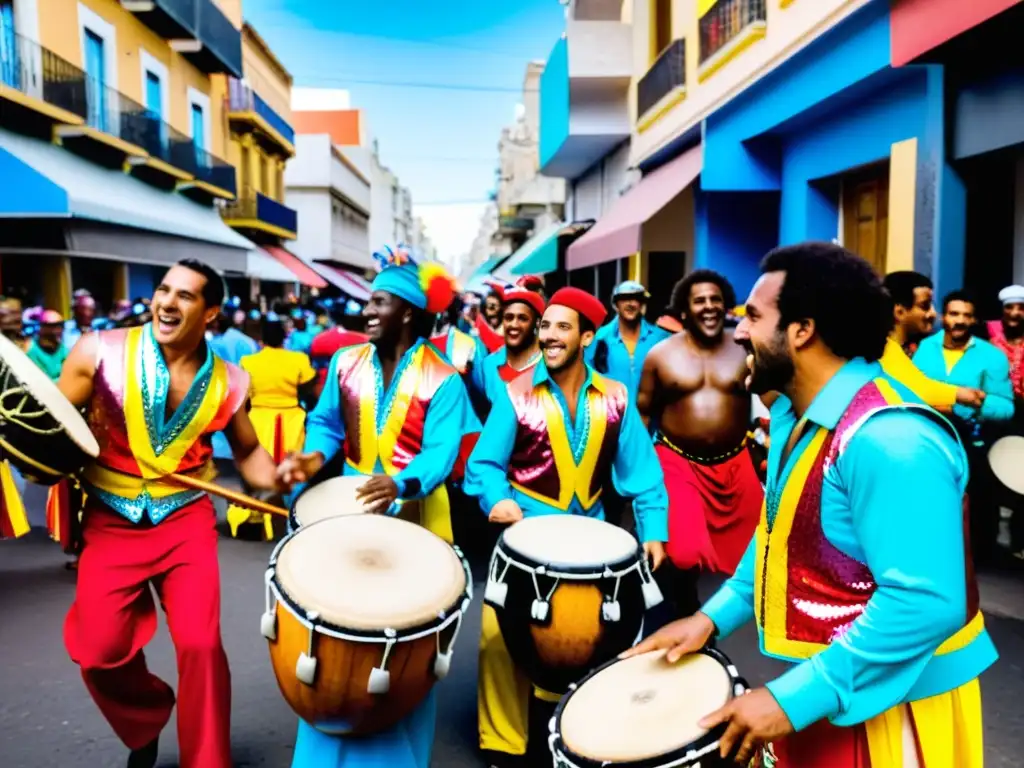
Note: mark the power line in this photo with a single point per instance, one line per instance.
(438, 86)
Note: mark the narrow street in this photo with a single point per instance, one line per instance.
(47, 719)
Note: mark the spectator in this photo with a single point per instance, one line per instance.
(47, 349)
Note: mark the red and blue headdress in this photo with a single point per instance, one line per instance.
(426, 285)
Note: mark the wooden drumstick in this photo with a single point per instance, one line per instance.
(233, 496)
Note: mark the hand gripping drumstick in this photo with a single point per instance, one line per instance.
(233, 496)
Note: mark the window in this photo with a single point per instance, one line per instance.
(199, 124)
(98, 44)
(10, 71)
(154, 99)
(96, 80)
(662, 26)
(264, 180)
(246, 167)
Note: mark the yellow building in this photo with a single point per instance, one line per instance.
(111, 142)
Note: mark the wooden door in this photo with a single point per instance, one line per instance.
(866, 217)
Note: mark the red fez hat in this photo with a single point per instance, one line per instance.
(530, 282)
(523, 296)
(588, 306)
(496, 287)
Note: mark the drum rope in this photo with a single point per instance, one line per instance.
(455, 635)
(536, 585)
(14, 415)
(391, 636)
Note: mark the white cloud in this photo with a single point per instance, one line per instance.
(451, 228)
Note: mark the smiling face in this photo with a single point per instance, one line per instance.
(492, 310)
(957, 320)
(520, 326)
(386, 317)
(918, 320)
(1013, 320)
(768, 354)
(561, 337)
(630, 308)
(705, 313)
(180, 313)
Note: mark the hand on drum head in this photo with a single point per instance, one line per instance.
(753, 719)
(505, 511)
(679, 638)
(378, 494)
(298, 468)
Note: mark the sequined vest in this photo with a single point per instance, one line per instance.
(807, 592)
(459, 347)
(140, 444)
(543, 464)
(389, 429)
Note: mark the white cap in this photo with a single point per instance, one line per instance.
(1014, 294)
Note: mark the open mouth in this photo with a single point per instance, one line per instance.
(372, 324)
(710, 320)
(167, 323)
(552, 351)
(750, 370)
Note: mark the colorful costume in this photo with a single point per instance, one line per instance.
(898, 365)
(1014, 355)
(625, 364)
(138, 529)
(230, 346)
(531, 452)
(411, 432)
(886, 639)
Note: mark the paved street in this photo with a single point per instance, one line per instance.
(47, 719)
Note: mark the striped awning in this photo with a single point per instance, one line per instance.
(353, 285)
(304, 273)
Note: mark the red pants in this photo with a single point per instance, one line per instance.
(712, 509)
(823, 745)
(114, 616)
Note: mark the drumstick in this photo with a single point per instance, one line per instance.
(233, 496)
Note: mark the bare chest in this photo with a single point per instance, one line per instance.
(722, 369)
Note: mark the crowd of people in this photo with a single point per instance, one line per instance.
(484, 408)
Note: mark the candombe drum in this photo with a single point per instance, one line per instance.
(570, 593)
(331, 498)
(361, 616)
(642, 712)
(41, 432)
(1006, 459)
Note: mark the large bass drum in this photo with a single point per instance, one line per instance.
(41, 432)
(361, 617)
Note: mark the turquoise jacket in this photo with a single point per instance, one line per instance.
(983, 366)
(636, 472)
(494, 387)
(899, 481)
(623, 366)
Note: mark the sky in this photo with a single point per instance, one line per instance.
(442, 142)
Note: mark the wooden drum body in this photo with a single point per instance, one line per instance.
(642, 712)
(41, 432)
(334, 497)
(570, 593)
(362, 614)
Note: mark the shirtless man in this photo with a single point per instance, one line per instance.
(692, 392)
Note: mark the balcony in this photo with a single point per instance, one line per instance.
(171, 19)
(215, 45)
(248, 111)
(38, 88)
(255, 212)
(728, 29)
(663, 86)
(584, 95)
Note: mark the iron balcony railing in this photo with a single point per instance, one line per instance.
(725, 21)
(171, 19)
(220, 37)
(666, 74)
(254, 205)
(37, 71)
(242, 98)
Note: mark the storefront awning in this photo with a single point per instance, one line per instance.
(618, 233)
(88, 239)
(45, 180)
(488, 266)
(352, 285)
(543, 245)
(263, 266)
(299, 269)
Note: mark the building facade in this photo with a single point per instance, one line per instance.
(109, 149)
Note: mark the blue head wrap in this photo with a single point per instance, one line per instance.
(403, 282)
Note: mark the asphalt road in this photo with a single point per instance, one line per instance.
(47, 719)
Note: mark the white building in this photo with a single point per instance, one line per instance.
(333, 199)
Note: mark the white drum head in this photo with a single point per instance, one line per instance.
(570, 541)
(51, 398)
(1006, 457)
(370, 572)
(643, 707)
(332, 498)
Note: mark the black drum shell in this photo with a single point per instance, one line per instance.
(514, 620)
(43, 458)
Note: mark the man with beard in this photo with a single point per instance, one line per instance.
(692, 391)
(155, 395)
(956, 356)
(620, 347)
(1008, 335)
(506, 472)
(914, 315)
(406, 459)
(521, 312)
(859, 574)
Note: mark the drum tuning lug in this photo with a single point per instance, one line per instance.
(268, 625)
(305, 669)
(611, 611)
(380, 682)
(541, 570)
(442, 665)
(539, 610)
(652, 594)
(495, 594)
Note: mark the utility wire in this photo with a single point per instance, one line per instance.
(437, 86)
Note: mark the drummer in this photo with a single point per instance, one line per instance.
(886, 639)
(599, 435)
(155, 394)
(425, 413)
(521, 311)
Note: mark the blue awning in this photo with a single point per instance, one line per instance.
(487, 267)
(537, 256)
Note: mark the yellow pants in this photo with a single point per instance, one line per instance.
(503, 693)
(433, 513)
